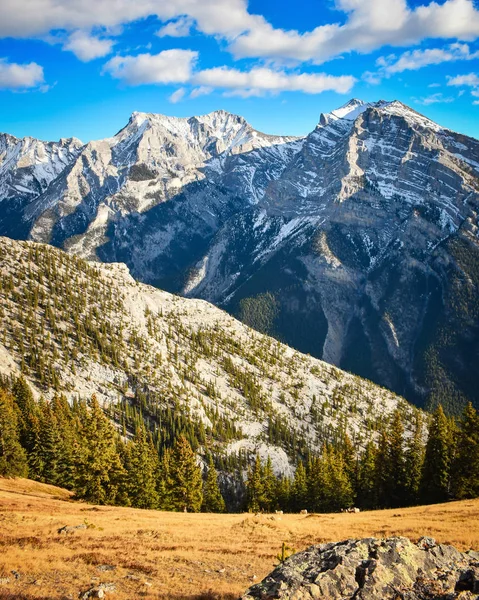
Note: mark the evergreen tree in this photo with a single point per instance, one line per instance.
(269, 486)
(338, 491)
(283, 493)
(24, 399)
(396, 464)
(350, 459)
(466, 463)
(414, 459)
(99, 471)
(381, 474)
(142, 467)
(48, 445)
(163, 482)
(213, 501)
(435, 483)
(329, 486)
(254, 487)
(13, 459)
(367, 492)
(299, 489)
(314, 479)
(185, 478)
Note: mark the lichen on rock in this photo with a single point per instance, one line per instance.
(374, 569)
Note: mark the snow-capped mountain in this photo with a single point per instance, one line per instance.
(358, 242)
(27, 167)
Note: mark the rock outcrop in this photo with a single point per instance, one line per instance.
(374, 569)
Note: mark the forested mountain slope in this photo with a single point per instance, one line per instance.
(80, 328)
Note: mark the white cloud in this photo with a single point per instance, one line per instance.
(177, 96)
(417, 59)
(370, 24)
(434, 99)
(476, 102)
(261, 80)
(179, 28)
(371, 78)
(470, 80)
(20, 77)
(203, 90)
(177, 66)
(434, 85)
(169, 66)
(224, 17)
(87, 47)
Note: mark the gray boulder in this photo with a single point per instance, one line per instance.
(374, 569)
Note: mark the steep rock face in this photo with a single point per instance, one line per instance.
(360, 240)
(362, 236)
(374, 569)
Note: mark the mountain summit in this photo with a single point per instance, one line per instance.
(356, 243)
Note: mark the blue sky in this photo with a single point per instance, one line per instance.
(71, 68)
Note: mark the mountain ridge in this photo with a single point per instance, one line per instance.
(335, 226)
(79, 329)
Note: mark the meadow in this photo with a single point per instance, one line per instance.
(173, 556)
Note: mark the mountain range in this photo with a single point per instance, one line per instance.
(357, 243)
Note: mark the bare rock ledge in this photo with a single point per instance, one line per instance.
(374, 569)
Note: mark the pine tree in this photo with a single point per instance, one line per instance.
(414, 458)
(163, 482)
(48, 446)
(142, 468)
(254, 487)
(466, 463)
(283, 493)
(396, 465)
(100, 473)
(435, 483)
(367, 492)
(299, 489)
(24, 399)
(329, 486)
(350, 459)
(213, 501)
(13, 459)
(269, 486)
(338, 491)
(381, 465)
(67, 427)
(185, 478)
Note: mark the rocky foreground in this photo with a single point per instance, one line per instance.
(374, 569)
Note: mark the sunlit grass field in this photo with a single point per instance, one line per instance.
(175, 555)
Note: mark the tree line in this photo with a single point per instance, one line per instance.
(105, 458)
(400, 468)
(78, 447)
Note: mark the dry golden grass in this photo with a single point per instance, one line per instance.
(179, 556)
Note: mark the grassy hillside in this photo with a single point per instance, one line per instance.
(178, 556)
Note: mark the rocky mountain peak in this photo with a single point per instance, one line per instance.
(348, 111)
